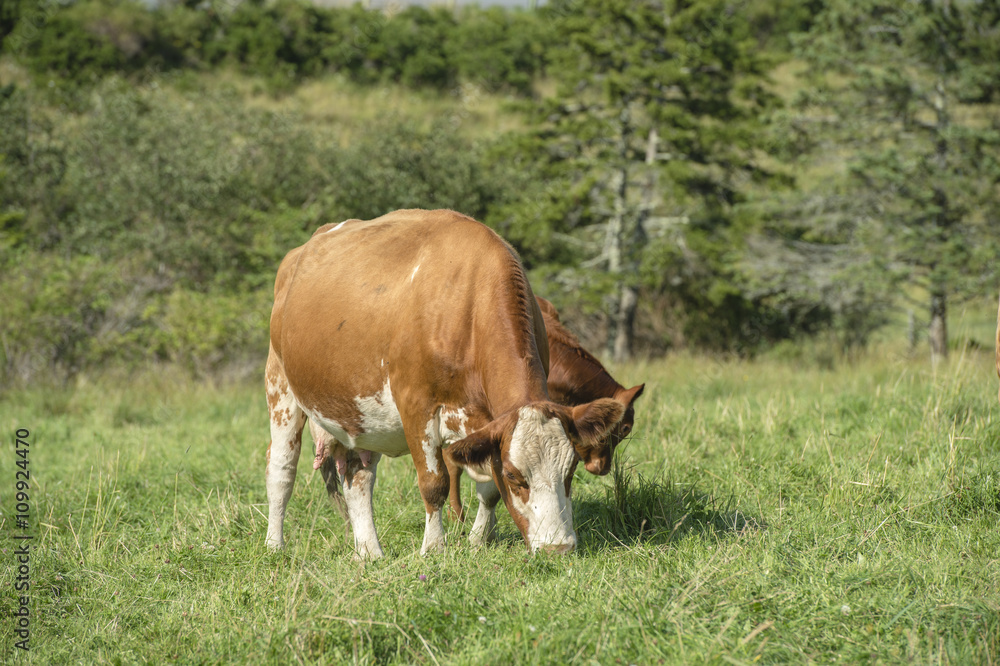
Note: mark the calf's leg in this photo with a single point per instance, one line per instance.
(454, 488)
(484, 530)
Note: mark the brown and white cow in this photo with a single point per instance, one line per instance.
(575, 377)
(410, 333)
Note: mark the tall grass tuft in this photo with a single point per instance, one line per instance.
(653, 509)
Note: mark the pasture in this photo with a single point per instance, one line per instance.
(765, 511)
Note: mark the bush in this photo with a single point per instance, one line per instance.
(89, 39)
(396, 165)
(208, 332)
(53, 315)
(411, 48)
(499, 49)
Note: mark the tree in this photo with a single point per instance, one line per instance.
(903, 81)
(657, 100)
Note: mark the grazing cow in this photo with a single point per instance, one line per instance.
(575, 378)
(410, 333)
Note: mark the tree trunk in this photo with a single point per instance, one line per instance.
(626, 235)
(625, 323)
(614, 251)
(938, 333)
(614, 243)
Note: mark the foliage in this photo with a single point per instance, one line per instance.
(499, 49)
(652, 140)
(161, 216)
(925, 173)
(397, 165)
(88, 39)
(285, 41)
(55, 325)
(818, 266)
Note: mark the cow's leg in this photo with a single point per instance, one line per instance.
(433, 481)
(358, 483)
(287, 421)
(484, 530)
(454, 488)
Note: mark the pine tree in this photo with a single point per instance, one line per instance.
(657, 101)
(909, 84)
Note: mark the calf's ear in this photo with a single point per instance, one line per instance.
(594, 420)
(628, 396)
(478, 447)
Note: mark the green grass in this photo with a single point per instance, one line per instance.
(765, 511)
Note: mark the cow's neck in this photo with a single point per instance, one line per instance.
(509, 363)
(510, 385)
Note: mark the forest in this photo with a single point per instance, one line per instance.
(726, 176)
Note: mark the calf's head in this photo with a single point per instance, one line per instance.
(597, 454)
(532, 452)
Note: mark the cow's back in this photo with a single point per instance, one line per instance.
(409, 299)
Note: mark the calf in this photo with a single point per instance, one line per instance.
(408, 334)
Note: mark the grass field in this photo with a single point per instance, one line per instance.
(767, 511)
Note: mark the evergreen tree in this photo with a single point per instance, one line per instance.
(657, 102)
(904, 82)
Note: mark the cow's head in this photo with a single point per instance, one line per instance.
(532, 453)
(597, 455)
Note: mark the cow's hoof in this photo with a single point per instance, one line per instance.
(368, 554)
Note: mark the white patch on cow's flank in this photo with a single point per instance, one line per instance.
(379, 412)
(414, 273)
(381, 425)
(449, 436)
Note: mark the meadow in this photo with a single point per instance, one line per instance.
(768, 511)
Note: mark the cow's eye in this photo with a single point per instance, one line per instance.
(626, 429)
(513, 479)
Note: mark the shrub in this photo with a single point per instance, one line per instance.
(88, 39)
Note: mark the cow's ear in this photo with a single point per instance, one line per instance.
(594, 420)
(477, 447)
(629, 396)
